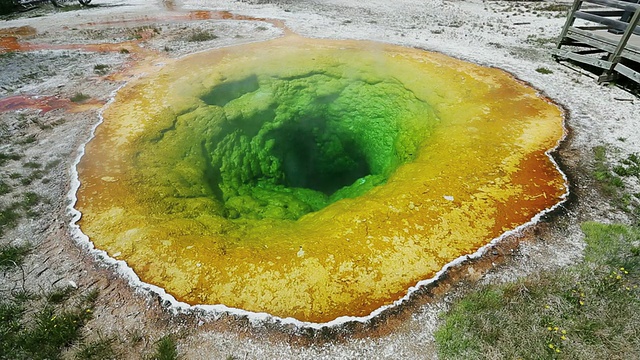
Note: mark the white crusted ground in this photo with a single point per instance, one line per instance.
(514, 36)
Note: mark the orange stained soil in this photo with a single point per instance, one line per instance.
(18, 31)
(8, 44)
(10, 37)
(482, 172)
(199, 15)
(180, 16)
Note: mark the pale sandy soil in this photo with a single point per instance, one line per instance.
(513, 36)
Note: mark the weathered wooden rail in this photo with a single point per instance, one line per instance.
(604, 34)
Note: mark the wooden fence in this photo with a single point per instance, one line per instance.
(604, 34)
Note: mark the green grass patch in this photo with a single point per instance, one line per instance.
(587, 311)
(52, 332)
(34, 175)
(10, 324)
(32, 165)
(58, 296)
(201, 35)
(52, 164)
(101, 69)
(80, 97)
(4, 188)
(543, 70)
(8, 218)
(51, 325)
(4, 158)
(31, 329)
(628, 167)
(165, 349)
(600, 156)
(553, 8)
(70, 7)
(142, 32)
(611, 183)
(8, 54)
(30, 199)
(97, 350)
(134, 336)
(27, 140)
(26, 181)
(12, 256)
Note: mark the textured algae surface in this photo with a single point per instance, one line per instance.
(313, 179)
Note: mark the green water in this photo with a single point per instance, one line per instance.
(282, 147)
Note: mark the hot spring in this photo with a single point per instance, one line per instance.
(313, 179)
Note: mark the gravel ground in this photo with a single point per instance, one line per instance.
(94, 51)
